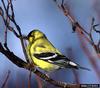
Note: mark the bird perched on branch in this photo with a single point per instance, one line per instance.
(45, 56)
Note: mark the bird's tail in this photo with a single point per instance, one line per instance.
(84, 68)
(77, 66)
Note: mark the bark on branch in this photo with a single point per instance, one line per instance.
(22, 64)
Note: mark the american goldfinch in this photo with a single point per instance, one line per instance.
(45, 56)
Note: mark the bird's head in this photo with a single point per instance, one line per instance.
(34, 35)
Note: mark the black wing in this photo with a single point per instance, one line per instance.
(51, 56)
(58, 59)
(54, 58)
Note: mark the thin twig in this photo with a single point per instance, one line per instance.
(78, 26)
(5, 82)
(39, 82)
(81, 34)
(12, 18)
(29, 80)
(76, 75)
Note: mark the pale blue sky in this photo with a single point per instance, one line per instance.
(45, 16)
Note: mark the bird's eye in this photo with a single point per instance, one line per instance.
(32, 36)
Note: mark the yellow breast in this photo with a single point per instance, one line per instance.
(41, 46)
(44, 65)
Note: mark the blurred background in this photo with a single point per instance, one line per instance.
(46, 16)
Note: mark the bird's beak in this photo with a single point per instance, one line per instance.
(23, 37)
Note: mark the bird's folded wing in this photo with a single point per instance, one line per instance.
(58, 59)
(52, 57)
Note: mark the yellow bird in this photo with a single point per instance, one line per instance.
(45, 56)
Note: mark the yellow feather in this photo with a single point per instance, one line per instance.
(41, 45)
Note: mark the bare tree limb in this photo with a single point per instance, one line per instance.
(76, 25)
(27, 65)
(22, 64)
(82, 33)
(12, 18)
(15, 59)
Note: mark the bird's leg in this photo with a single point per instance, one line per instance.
(23, 37)
(32, 67)
(44, 82)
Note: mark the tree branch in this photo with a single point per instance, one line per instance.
(27, 65)
(12, 19)
(22, 64)
(78, 28)
(82, 33)
(5, 82)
